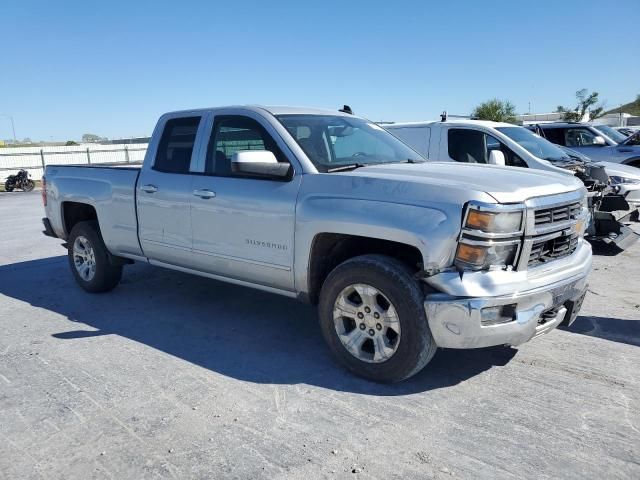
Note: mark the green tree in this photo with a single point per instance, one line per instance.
(495, 110)
(70, 143)
(586, 104)
(90, 138)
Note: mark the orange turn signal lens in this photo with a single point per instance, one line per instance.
(480, 220)
(471, 254)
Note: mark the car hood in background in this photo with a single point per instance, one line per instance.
(619, 170)
(504, 184)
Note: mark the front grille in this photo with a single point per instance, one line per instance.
(547, 250)
(562, 213)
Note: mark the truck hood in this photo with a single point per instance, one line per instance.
(504, 184)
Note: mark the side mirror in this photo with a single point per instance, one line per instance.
(496, 157)
(599, 141)
(260, 163)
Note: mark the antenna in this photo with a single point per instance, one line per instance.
(443, 116)
(346, 109)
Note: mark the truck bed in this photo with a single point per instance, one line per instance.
(109, 188)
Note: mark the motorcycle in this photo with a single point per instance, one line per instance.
(20, 180)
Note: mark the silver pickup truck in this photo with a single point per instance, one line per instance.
(401, 255)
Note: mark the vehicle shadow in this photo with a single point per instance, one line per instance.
(236, 331)
(613, 329)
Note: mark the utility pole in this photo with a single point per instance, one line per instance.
(13, 128)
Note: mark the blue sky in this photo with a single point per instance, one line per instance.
(112, 68)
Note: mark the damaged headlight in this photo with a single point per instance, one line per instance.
(617, 180)
(480, 257)
(493, 222)
(491, 237)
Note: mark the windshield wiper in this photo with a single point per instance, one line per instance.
(341, 168)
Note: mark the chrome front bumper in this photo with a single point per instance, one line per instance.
(457, 322)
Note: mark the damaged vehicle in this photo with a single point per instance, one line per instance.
(614, 195)
(402, 256)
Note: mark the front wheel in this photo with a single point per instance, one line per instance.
(89, 259)
(373, 319)
(28, 185)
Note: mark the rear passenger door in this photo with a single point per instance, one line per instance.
(243, 227)
(164, 193)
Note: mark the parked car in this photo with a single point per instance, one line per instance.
(628, 131)
(586, 139)
(401, 255)
(484, 142)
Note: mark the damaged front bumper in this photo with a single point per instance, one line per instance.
(510, 319)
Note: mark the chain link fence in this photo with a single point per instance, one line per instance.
(34, 159)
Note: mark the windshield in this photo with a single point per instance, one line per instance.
(534, 144)
(332, 141)
(614, 135)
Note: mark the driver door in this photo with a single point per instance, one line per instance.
(243, 227)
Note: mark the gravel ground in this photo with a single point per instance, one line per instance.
(175, 376)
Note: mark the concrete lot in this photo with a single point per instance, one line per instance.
(175, 376)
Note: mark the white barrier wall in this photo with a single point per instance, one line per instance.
(33, 158)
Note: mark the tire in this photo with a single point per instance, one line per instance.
(104, 276)
(413, 346)
(8, 187)
(28, 185)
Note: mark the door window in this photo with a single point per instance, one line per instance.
(579, 137)
(467, 146)
(474, 146)
(176, 145)
(234, 134)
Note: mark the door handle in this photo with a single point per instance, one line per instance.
(204, 193)
(625, 150)
(149, 188)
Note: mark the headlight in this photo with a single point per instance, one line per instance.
(479, 257)
(490, 237)
(494, 222)
(616, 180)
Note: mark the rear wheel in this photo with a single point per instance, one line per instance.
(89, 259)
(8, 187)
(373, 319)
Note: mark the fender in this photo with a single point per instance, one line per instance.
(433, 231)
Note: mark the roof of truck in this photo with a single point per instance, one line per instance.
(454, 121)
(273, 109)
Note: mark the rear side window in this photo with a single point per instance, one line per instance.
(554, 135)
(417, 138)
(176, 145)
(467, 146)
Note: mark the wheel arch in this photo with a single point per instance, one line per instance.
(75, 212)
(328, 250)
